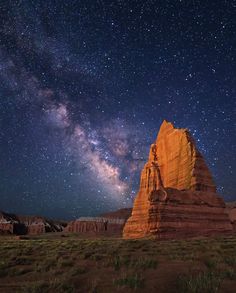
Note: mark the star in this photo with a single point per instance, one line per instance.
(83, 95)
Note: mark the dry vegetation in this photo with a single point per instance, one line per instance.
(70, 264)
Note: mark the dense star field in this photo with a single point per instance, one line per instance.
(85, 85)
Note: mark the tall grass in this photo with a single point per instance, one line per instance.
(131, 281)
(203, 282)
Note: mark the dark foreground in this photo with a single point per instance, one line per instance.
(70, 264)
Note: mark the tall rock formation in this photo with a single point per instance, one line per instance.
(181, 164)
(177, 195)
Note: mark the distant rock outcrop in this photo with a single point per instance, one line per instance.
(10, 224)
(109, 224)
(96, 225)
(21, 225)
(119, 214)
(177, 195)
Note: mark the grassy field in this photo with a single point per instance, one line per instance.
(71, 264)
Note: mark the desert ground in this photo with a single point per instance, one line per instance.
(71, 263)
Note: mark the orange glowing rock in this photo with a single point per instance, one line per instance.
(177, 195)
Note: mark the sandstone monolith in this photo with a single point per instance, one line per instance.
(177, 195)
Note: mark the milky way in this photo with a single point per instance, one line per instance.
(85, 85)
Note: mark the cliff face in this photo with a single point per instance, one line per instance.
(21, 225)
(96, 225)
(177, 193)
(181, 164)
(231, 210)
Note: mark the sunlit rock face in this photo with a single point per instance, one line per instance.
(177, 195)
(181, 164)
(110, 223)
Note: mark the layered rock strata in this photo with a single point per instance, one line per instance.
(231, 210)
(21, 225)
(96, 225)
(177, 195)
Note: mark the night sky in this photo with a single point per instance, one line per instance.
(85, 86)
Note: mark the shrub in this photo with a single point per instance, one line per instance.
(97, 257)
(66, 263)
(50, 286)
(211, 263)
(131, 281)
(145, 263)
(78, 271)
(203, 282)
(229, 274)
(231, 261)
(3, 269)
(21, 261)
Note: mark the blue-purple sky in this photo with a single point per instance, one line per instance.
(85, 85)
